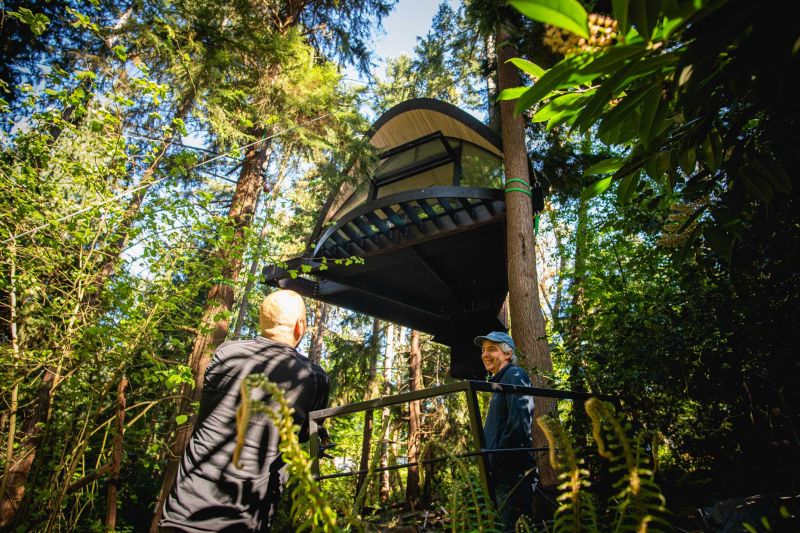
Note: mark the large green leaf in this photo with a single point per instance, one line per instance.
(598, 187)
(620, 8)
(626, 187)
(625, 111)
(512, 94)
(644, 15)
(608, 61)
(612, 164)
(561, 108)
(526, 66)
(595, 106)
(564, 74)
(566, 14)
(649, 110)
(719, 241)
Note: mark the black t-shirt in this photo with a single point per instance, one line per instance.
(210, 493)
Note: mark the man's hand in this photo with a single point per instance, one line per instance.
(325, 445)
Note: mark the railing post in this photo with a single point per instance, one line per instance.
(313, 447)
(478, 439)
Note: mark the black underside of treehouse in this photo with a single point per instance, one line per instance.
(427, 226)
(434, 260)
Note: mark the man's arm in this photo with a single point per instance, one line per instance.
(516, 433)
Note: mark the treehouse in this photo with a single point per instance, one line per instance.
(428, 223)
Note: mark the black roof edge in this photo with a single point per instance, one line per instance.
(431, 104)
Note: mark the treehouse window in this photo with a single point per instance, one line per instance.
(479, 168)
(414, 158)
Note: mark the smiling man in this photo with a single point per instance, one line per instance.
(507, 427)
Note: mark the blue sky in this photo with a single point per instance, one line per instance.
(409, 20)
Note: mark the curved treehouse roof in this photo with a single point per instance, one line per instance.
(428, 222)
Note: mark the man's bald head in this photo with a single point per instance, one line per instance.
(282, 316)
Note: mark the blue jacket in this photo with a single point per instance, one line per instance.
(508, 422)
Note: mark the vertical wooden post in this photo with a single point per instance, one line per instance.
(479, 439)
(313, 446)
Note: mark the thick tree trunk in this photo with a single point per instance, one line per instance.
(214, 322)
(527, 320)
(273, 190)
(388, 363)
(414, 384)
(116, 458)
(318, 332)
(373, 391)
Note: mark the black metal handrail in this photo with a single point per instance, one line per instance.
(470, 388)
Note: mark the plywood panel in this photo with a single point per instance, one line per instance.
(416, 123)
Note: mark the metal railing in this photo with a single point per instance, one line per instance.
(471, 390)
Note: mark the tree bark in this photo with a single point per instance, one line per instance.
(414, 384)
(6, 511)
(216, 312)
(373, 391)
(273, 190)
(527, 320)
(388, 363)
(318, 332)
(116, 458)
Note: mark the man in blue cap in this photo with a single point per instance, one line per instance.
(508, 426)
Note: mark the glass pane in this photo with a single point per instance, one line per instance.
(442, 175)
(406, 158)
(358, 197)
(479, 168)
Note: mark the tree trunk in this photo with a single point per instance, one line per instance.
(318, 332)
(388, 362)
(273, 190)
(6, 484)
(214, 322)
(492, 104)
(116, 458)
(373, 391)
(414, 384)
(527, 320)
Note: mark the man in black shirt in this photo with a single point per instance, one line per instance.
(210, 493)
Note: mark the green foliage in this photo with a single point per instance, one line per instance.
(684, 97)
(567, 14)
(577, 512)
(638, 505)
(310, 508)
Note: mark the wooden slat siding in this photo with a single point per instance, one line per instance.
(363, 227)
(396, 219)
(380, 224)
(465, 203)
(432, 216)
(351, 232)
(414, 124)
(489, 205)
(445, 203)
(412, 214)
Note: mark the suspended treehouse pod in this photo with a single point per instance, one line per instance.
(429, 224)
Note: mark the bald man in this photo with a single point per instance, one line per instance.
(210, 493)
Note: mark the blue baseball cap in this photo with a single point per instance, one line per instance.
(496, 336)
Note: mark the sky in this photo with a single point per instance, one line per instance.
(409, 20)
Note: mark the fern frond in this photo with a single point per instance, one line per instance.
(310, 510)
(577, 512)
(640, 502)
